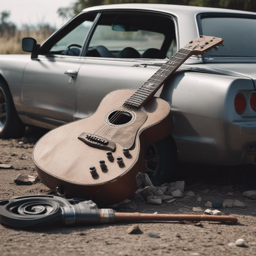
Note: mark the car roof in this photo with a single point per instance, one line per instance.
(172, 9)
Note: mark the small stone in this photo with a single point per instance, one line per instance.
(13, 154)
(216, 212)
(21, 142)
(155, 213)
(177, 193)
(199, 199)
(206, 191)
(231, 244)
(208, 211)
(228, 203)
(197, 209)
(5, 166)
(239, 204)
(170, 201)
(23, 179)
(154, 201)
(163, 189)
(240, 242)
(154, 235)
(208, 204)
(199, 224)
(166, 197)
(148, 181)
(250, 194)
(178, 235)
(135, 229)
(190, 193)
(217, 203)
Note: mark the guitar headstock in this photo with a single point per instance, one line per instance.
(203, 44)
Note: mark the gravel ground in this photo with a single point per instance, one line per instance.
(176, 238)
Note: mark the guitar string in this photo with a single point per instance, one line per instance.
(106, 128)
(155, 75)
(103, 130)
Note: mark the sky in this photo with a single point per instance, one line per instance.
(32, 12)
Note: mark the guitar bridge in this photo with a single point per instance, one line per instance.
(96, 141)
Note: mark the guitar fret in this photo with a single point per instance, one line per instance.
(147, 90)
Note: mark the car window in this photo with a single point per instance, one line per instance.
(132, 36)
(74, 39)
(70, 39)
(238, 33)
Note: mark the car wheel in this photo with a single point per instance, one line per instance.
(161, 160)
(10, 123)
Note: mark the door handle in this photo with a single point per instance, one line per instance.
(71, 73)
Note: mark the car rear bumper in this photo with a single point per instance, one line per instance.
(218, 143)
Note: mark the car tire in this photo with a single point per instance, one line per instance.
(10, 123)
(161, 160)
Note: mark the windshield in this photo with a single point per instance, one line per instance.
(238, 33)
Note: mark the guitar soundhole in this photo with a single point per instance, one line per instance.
(119, 118)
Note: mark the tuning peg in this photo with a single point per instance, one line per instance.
(222, 44)
(216, 48)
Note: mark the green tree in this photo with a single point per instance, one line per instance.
(5, 25)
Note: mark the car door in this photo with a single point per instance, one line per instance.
(118, 53)
(48, 87)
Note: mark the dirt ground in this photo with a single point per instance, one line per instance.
(175, 238)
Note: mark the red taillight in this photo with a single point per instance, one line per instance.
(253, 102)
(240, 103)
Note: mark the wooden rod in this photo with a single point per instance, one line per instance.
(123, 217)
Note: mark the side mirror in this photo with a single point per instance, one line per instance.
(29, 44)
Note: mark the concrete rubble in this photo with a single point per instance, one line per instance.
(213, 212)
(250, 194)
(23, 179)
(156, 195)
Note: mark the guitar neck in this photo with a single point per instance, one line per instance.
(147, 91)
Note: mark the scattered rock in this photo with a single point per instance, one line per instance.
(230, 193)
(177, 193)
(5, 166)
(208, 211)
(231, 244)
(135, 229)
(199, 199)
(154, 235)
(239, 204)
(217, 203)
(228, 203)
(170, 201)
(21, 142)
(197, 209)
(216, 212)
(199, 224)
(148, 181)
(154, 200)
(190, 194)
(250, 194)
(240, 242)
(163, 189)
(13, 154)
(178, 185)
(208, 204)
(165, 197)
(178, 235)
(23, 179)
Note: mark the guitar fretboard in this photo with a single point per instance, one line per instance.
(151, 86)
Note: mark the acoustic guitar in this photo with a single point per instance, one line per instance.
(99, 157)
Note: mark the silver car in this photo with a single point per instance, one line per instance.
(111, 47)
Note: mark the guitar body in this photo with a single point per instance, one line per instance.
(64, 156)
